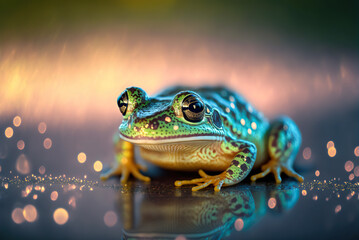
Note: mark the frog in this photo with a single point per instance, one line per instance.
(206, 128)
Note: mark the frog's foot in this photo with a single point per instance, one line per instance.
(125, 169)
(217, 181)
(276, 168)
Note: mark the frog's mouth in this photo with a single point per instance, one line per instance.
(171, 139)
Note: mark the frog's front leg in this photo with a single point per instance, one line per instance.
(125, 163)
(283, 145)
(245, 155)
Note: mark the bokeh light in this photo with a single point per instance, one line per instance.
(272, 202)
(47, 143)
(22, 164)
(307, 153)
(42, 127)
(17, 216)
(30, 213)
(17, 121)
(332, 151)
(20, 144)
(9, 132)
(315, 197)
(356, 151)
(349, 165)
(351, 176)
(180, 237)
(61, 216)
(72, 202)
(97, 166)
(304, 192)
(338, 208)
(110, 218)
(330, 144)
(54, 195)
(356, 171)
(239, 224)
(81, 157)
(317, 173)
(42, 170)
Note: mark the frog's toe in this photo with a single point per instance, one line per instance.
(291, 173)
(204, 182)
(260, 175)
(115, 170)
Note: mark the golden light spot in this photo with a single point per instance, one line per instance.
(332, 151)
(129, 126)
(208, 111)
(349, 165)
(42, 170)
(304, 192)
(338, 208)
(47, 143)
(272, 202)
(22, 164)
(249, 131)
(110, 218)
(9, 132)
(356, 171)
(34, 197)
(317, 173)
(42, 127)
(81, 157)
(54, 195)
(356, 151)
(232, 106)
(30, 213)
(175, 127)
(6, 185)
(61, 216)
(97, 166)
(307, 153)
(254, 125)
(42, 189)
(20, 144)
(239, 224)
(168, 119)
(146, 126)
(228, 110)
(16, 121)
(243, 122)
(330, 144)
(351, 176)
(231, 98)
(315, 198)
(17, 216)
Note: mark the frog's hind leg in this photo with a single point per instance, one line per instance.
(283, 145)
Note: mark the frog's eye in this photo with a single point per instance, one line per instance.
(122, 103)
(193, 108)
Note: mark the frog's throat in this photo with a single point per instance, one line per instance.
(176, 139)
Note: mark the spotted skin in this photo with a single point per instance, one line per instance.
(220, 131)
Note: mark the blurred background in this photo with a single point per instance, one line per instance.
(64, 63)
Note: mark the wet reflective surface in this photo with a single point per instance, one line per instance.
(39, 200)
(63, 65)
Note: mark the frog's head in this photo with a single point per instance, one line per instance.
(181, 118)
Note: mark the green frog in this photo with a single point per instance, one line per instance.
(202, 129)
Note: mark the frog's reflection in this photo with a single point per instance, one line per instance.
(200, 215)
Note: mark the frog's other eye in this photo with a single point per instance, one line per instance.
(122, 103)
(193, 108)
